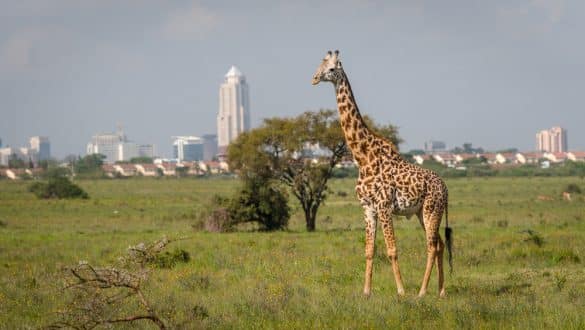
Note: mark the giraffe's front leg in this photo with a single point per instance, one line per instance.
(370, 220)
(390, 239)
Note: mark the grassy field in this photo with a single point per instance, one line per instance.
(503, 277)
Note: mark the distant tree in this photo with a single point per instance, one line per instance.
(15, 162)
(416, 152)
(141, 160)
(508, 150)
(182, 171)
(90, 165)
(281, 149)
(481, 160)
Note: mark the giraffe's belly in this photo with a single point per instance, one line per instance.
(406, 207)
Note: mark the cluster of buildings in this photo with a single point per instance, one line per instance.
(233, 118)
(162, 168)
(504, 158)
(552, 140)
(39, 149)
(116, 147)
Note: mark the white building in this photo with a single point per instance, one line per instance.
(107, 144)
(116, 147)
(40, 146)
(552, 140)
(188, 148)
(234, 108)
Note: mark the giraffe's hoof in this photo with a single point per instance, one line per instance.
(401, 292)
(442, 294)
(367, 294)
(421, 294)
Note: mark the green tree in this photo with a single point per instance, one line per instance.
(282, 149)
(90, 165)
(141, 160)
(15, 162)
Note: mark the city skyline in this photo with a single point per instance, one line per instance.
(490, 73)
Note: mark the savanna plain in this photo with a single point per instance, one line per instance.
(518, 258)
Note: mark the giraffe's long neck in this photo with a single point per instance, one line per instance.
(357, 134)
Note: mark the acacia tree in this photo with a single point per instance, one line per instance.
(281, 149)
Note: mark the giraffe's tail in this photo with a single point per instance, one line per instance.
(448, 237)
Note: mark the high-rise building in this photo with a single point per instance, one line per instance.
(188, 148)
(434, 146)
(234, 108)
(552, 140)
(209, 146)
(41, 146)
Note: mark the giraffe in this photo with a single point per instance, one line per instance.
(388, 185)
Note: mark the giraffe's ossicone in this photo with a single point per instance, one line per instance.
(388, 185)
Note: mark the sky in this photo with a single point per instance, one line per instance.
(492, 73)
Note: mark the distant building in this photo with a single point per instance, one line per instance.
(434, 146)
(188, 148)
(209, 146)
(146, 150)
(107, 144)
(41, 146)
(234, 108)
(117, 147)
(552, 140)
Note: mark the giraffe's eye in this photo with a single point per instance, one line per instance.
(331, 70)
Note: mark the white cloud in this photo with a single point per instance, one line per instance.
(192, 23)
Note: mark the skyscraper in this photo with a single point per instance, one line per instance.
(552, 140)
(234, 108)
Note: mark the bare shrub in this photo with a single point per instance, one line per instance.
(99, 293)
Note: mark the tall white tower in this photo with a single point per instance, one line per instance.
(234, 108)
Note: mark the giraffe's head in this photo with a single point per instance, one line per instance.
(330, 69)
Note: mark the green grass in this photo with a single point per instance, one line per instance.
(502, 277)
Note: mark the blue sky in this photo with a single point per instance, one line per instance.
(487, 72)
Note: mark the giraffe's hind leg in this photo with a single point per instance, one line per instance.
(431, 221)
(440, 249)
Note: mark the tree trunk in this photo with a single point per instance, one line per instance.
(310, 218)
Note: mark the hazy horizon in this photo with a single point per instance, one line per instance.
(490, 73)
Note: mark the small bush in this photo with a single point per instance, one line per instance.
(57, 187)
(170, 259)
(573, 188)
(215, 217)
(533, 237)
(341, 193)
(259, 201)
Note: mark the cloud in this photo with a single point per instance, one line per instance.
(191, 24)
